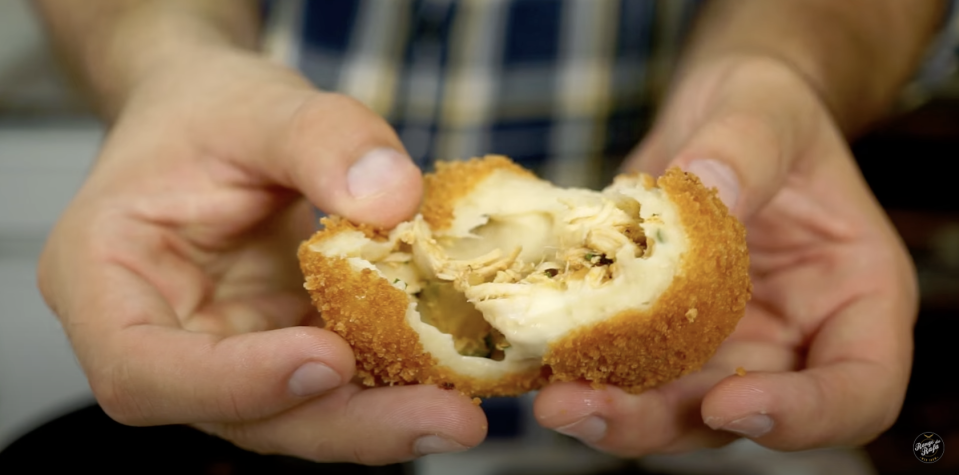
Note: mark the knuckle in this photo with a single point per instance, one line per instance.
(339, 116)
(629, 442)
(230, 406)
(755, 129)
(884, 422)
(886, 416)
(364, 455)
(328, 449)
(246, 437)
(339, 101)
(111, 392)
(322, 111)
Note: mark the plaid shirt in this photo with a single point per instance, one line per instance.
(566, 88)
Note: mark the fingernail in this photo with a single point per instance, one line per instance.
(375, 172)
(755, 425)
(715, 174)
(312, 379)
(434, 444)
(591, 429)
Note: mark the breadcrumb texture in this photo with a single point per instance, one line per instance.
(640, 350)
(453, 180)
(370, 314)
(633, 350)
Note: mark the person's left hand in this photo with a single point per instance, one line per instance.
(827, 337)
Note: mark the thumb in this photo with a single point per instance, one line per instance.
(342, 156)
(746, 156)
(744, 142)
(742, 171)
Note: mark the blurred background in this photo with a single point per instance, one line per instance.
(48, 140)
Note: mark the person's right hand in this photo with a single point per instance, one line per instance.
(174, 269)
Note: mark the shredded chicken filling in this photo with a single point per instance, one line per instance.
(530, 250)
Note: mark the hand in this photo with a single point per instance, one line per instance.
(827, 338)
(174, 270)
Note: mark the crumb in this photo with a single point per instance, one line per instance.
(691, 315)
(741, 371)
(477, 401)
(647, 181)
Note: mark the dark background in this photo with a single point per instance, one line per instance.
(911, 163)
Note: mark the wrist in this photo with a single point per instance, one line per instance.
(856, 55)
(716, 82)
(150, 41)
(850, 109)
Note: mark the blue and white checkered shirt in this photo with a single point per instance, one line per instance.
(565, 87)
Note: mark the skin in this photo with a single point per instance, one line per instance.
(174, 269)
(174, 273)
(827, 338)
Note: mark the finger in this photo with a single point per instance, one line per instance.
(252, 314)
(143, 367)
(743, 143)
(345, 158)
(853, 389)
(661, 420)
(259, 289)
(367, 426)
(609, 419)
(651, 155)
(145, 370)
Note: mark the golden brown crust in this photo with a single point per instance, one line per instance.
(640, 350)
(334, 224)
(633, 350)
(370, 314)
(453, 180)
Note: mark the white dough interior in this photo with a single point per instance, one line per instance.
(536, 260)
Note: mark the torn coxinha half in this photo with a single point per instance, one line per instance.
(504, 282)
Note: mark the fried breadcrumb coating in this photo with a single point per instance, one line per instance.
(504, 283)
